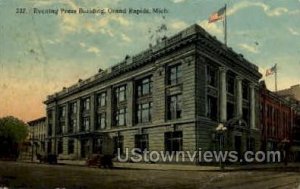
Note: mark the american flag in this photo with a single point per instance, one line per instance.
(217, 15)
(271, 71)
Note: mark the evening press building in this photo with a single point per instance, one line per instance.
(170, 97)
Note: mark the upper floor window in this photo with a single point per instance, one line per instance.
(144, 112)
(211, 76)
(245, 89)
(120, 93)
(174, 74)
(230, 83)
(86, 104)
(73, 108)
(174, 106)
(212, 107)
(144, 86)
(101, 99)
(120, 117)
(101, 121)
(62, 111)
(86, 124)
(72, 125)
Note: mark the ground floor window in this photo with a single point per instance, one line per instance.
(97, 146)
(212, 108)
(70, 146)
(251, 144)
(173, 141)
(60, 146)
(141, 142)
(118, 143)
(49, 146)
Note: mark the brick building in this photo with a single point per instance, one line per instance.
(170, 97)
(277, 120)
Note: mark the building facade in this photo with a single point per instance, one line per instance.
(276, 118)
(37, 135)
(170, 97)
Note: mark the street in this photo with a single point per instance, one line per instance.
(32, 175)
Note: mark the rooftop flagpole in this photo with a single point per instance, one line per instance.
(225, 26)
(275, 77)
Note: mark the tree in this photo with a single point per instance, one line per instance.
(12, 133)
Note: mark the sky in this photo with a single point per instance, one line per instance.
(42, 53)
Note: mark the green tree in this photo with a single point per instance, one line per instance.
(13, 132)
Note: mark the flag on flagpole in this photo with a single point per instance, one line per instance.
(217, 15)
(271, 70)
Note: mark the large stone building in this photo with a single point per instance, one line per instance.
(170, 97)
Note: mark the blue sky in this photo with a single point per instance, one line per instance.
(40, 54)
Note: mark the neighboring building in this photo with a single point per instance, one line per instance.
(292, 92)
(279, 121)
(170, 97)
(37, 135)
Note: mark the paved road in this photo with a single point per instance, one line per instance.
(28, 175)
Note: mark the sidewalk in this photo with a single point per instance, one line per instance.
(184, 167)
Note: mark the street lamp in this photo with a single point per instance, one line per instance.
(221, 129)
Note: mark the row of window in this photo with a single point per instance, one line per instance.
(172, 140)
(212, 80)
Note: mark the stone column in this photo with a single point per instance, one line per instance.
(92, 112)
(67, 123)
(252, 106)
(78, 115)
(130, 106)
(109, 108)
(223, 95)
(54, 126)
(239, 97)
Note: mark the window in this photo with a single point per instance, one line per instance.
(173, 141)
(49, 146)
(101, 121)
(72, 126)
(73, 108)
(230, 111)
(212, 108)
(118, 144)
(70, 146)
(62, 112)
(144, 87)
(59, 146)
(141, 142)
(144, 112)
(59, 128)
(120, 118)
(174, 107)
(86, 104)
(230, 83)
(86, 124)
(97, 145)
(246, 115)
(211, 76)
(49, 129)
(174, 74)
(121, 93)
(245, 90)
(101, 100)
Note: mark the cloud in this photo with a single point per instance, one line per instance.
(266, 8)
(293, 32)
(82, 44)
(94, 50)
(125, 38)
(178, 25)
(248, 48)
(178, 1)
